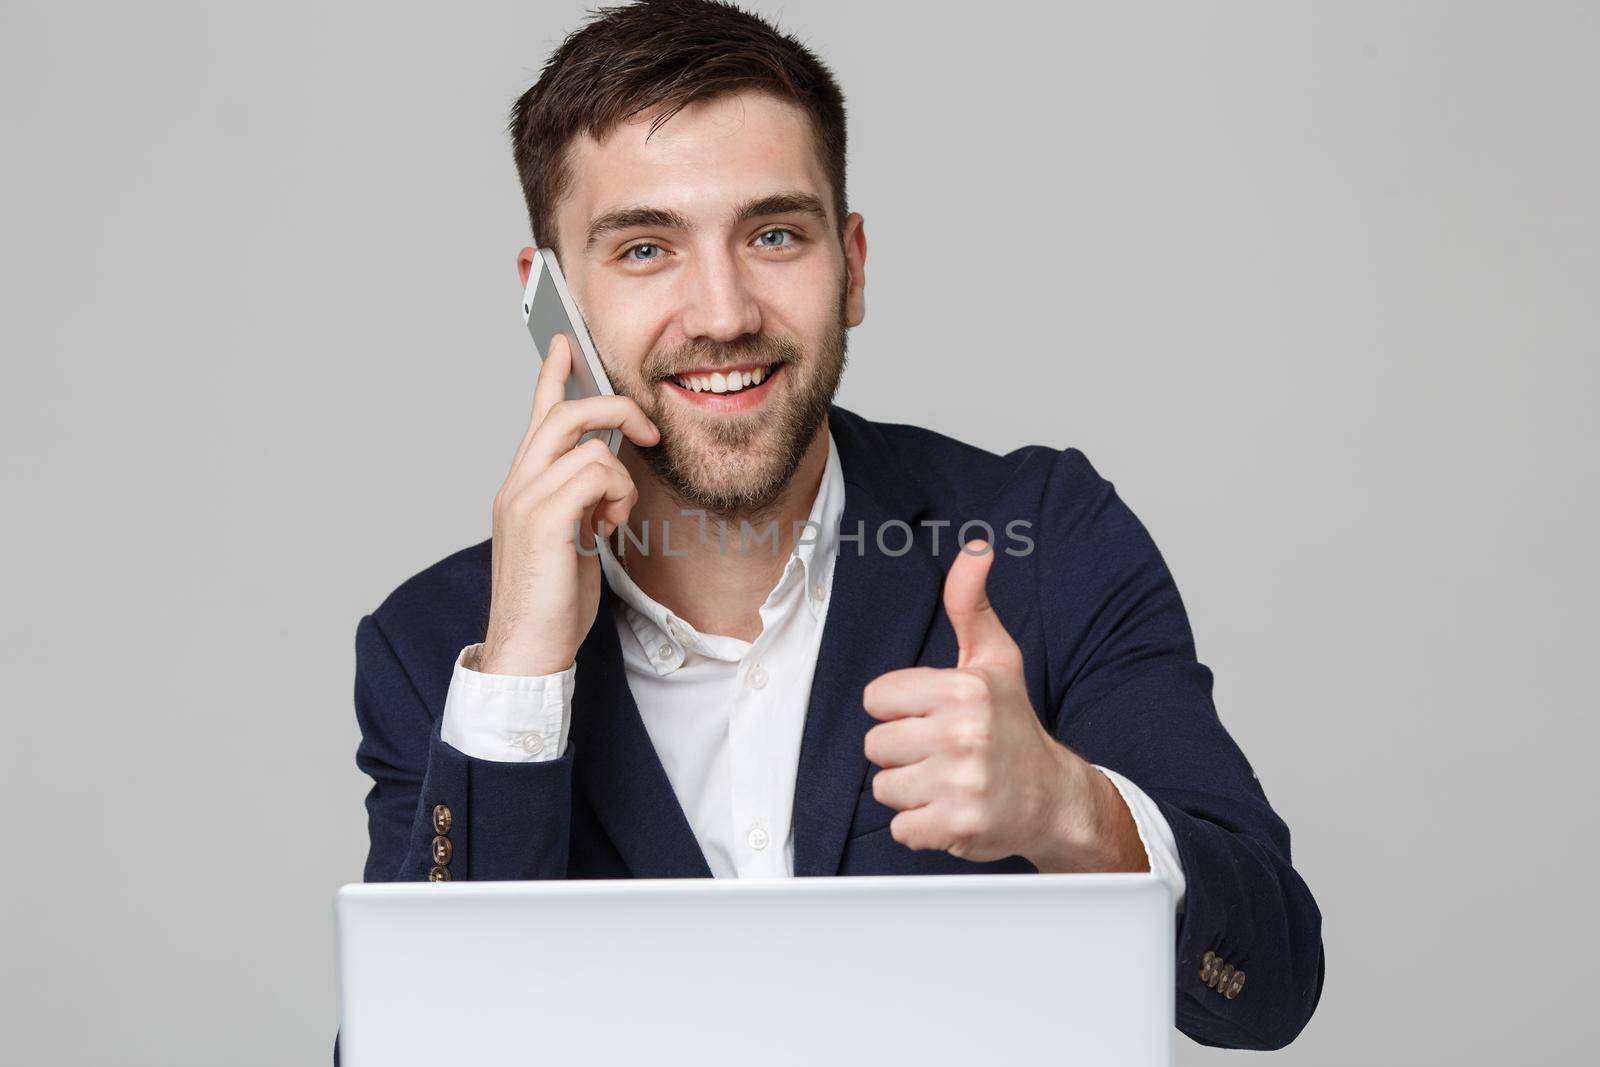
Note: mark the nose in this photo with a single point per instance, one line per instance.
(720, 305)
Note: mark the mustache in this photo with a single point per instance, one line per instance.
(710, 355)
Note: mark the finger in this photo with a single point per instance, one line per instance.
(980, 636)
(904, 788)
(549, 388)
(595, 486)
(907, 691)
(919, 828)
(900, 742)
(924, 691)
(568, 465)
(568, 420)
(553, 375)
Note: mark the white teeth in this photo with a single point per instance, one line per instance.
(717, 382)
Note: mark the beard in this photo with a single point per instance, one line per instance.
(736, 465)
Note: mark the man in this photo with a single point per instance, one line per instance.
(770, 637)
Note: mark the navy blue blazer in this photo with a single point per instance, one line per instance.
(1110, 666)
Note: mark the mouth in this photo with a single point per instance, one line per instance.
(727, 388)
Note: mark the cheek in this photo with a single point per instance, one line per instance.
(624, 335)
(803, 304)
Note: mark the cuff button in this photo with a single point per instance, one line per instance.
(439, 874)
(1235, 984)
(441, 819)
(442, 850)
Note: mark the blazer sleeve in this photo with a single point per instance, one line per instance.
(499, 820)
(1130, 694)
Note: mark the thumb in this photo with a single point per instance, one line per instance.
(980, 635)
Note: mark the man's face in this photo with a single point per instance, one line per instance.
(711, 248)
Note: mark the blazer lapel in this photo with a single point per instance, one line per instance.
(878, 618)
(616, 764)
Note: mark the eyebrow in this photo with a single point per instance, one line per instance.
(628, 218)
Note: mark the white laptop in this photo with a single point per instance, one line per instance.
(967, 969)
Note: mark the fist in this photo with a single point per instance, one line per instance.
(964, 759)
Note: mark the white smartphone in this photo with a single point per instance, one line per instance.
(548, 309)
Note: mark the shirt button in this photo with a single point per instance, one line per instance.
(757, 677)
(758, 839)
(532, 744)
(664, 652)
(817, 591)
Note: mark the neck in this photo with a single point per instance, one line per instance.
(714, 586)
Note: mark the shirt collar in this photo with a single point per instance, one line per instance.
(665, 638)
(818, 543)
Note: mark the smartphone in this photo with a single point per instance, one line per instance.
(548, 309)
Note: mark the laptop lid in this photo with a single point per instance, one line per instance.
(905, 969)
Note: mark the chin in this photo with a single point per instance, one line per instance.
(726, 479)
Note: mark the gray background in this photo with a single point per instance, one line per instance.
(1312, 284)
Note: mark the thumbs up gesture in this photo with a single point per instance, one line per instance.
(969, 766)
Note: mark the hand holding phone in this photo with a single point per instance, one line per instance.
(565, 487)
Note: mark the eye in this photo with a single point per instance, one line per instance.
(654, 250)
(777, 232)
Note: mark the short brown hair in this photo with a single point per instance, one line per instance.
(667, 54)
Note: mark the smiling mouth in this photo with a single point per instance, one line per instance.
(731, 380)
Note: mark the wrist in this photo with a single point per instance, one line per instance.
(1087, 827)
(491, 658)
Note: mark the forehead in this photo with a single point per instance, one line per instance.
(711, 154)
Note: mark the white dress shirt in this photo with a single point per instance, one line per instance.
(725, 715)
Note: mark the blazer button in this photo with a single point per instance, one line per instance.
(442, 850)
(441, 819)
(438, 874)
(1235, 984)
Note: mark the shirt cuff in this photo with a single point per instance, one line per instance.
(507, 718)
(1155, 833)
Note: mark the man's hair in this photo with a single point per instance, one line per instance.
(666, 54)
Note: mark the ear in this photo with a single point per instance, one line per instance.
(855, 265)
(525, 265)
